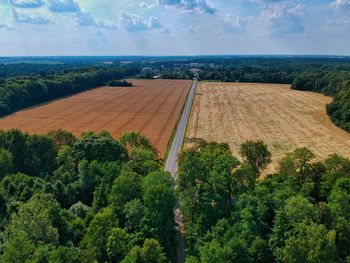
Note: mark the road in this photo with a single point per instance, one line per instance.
(172, 161)
(171, 166)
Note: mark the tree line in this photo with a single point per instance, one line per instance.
(19, 92)
(299, 214)
(93, 199)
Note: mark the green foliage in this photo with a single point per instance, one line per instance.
(116, 199)
(256, 154)
(99, 147)
(299, 214)
(119, 83)
(94, 242)
(118, 245)
(309, 243)
(151, 252)
(6, 163)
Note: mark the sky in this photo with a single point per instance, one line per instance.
(174, 27)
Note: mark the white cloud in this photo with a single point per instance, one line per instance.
(27, 3)
(340, 3)
(133, 22)
(194, 6)
(283, 17)
(234, 23)
(27, 19)
(147, 6)
(86, 19)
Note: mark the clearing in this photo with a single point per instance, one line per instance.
(151, 107)
(284, 119)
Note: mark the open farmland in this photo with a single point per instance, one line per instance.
(283, 118)
(151, 107)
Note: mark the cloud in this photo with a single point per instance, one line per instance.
(193, 6)
(63, 6)
(133, 22)
(283, 17)
(147, 6)
(26, 19)
(234, 23)
(340, 3)
(27, 3)
(86, 19)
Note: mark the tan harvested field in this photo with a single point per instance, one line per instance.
(285, 119)
(151, 107)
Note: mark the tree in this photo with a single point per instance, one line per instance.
(18, 249)
(39, 156)
(6, 162)
(311, 243)
(62, 138)
(40, 220)
(297, 165)
(99, 147)
(256, 154)
(135, 140)
(118, 245)
(95, 240)
(151, 252)
(234, 251)
(159, 201)
(143, 161)
(126, 187)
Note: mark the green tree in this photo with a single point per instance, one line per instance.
(256, 154)
(40, 220)
(126, 187)
(99, 147)
(40, 156)
(310, 243)
(95, 240)
(62, 138)
(6, 163)
(118, 245)
(159, 201)
(151, 252)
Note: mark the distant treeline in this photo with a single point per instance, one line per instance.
(20, 92)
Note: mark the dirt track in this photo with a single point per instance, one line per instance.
(285, 119)
(151, 107)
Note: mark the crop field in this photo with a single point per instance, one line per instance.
(283, 118)
(151, 107)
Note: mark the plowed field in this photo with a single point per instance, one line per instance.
(150, 106)
(285, 119)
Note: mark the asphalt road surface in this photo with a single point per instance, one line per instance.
(171, 166)
(172, 161)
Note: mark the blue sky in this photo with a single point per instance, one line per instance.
(174, 27)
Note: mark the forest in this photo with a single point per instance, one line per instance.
(20, 92)
(93, 199)
(231, 214)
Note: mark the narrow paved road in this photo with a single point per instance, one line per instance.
(172, 163)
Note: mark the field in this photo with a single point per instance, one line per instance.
(151, 107)
(283, 118)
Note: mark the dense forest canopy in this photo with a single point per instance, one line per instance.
(299, 214)
(93, 199)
